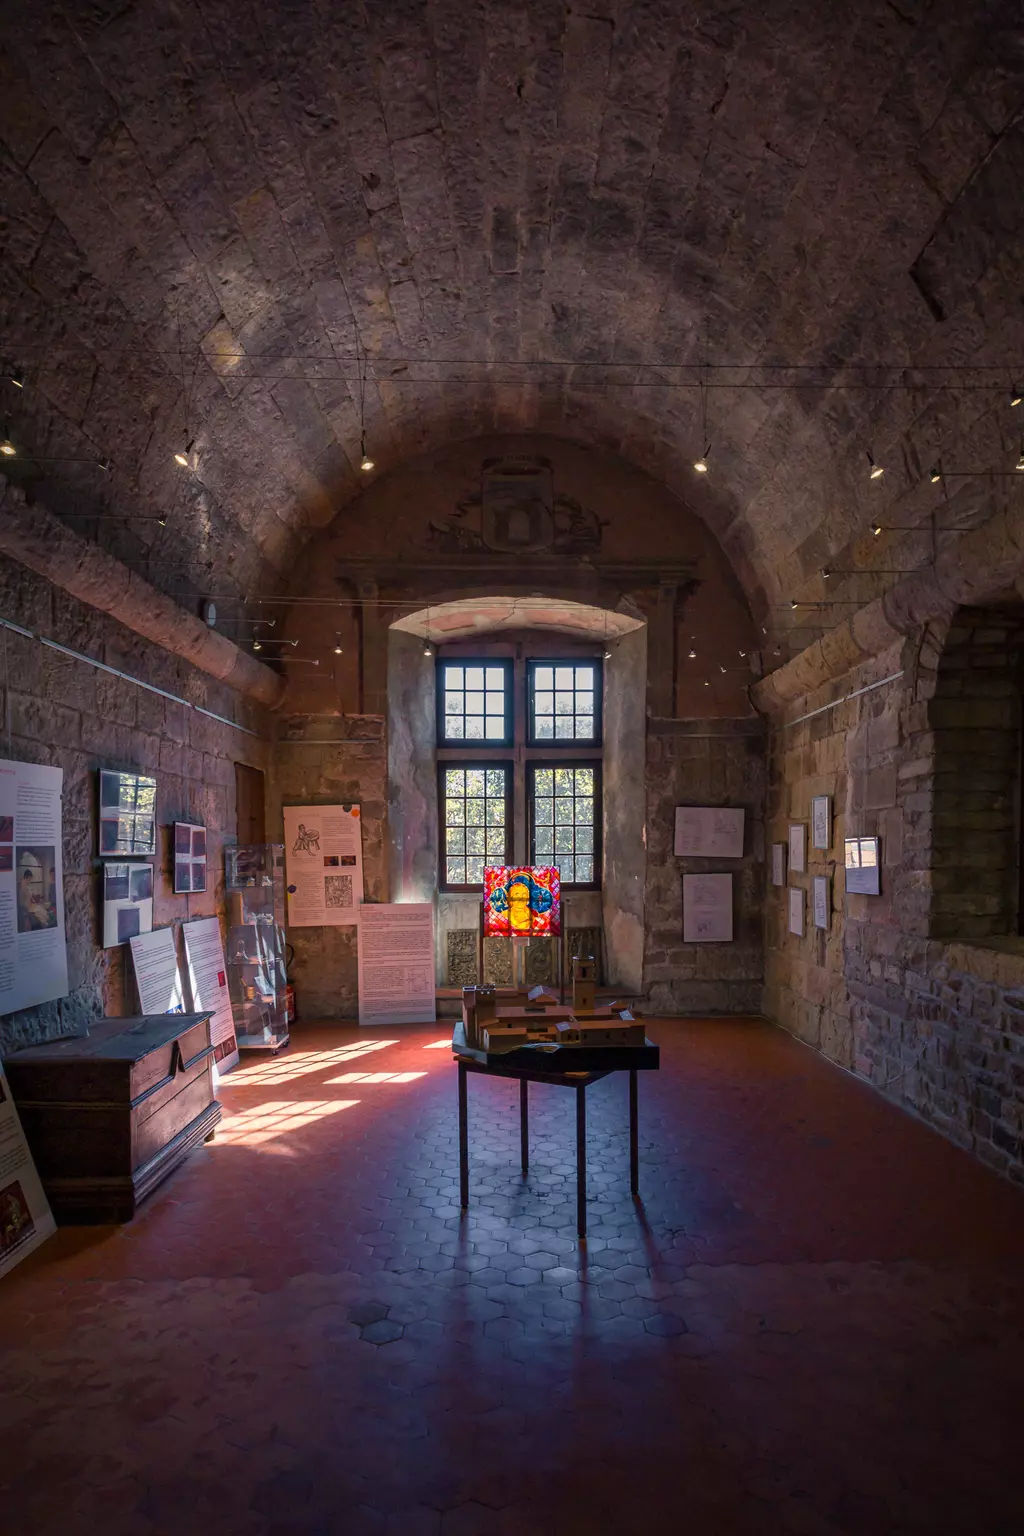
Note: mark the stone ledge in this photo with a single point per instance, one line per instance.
(1000, 962)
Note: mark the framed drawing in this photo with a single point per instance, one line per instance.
(189, 858)
(707, 909)
(778, 863)
(821, 821)
(709, 831)
(821, 901)
(796, 910)
(797, 847)
(862, 861)
(127, 815)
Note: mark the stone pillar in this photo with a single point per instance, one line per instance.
(661, 665)
(373, 651)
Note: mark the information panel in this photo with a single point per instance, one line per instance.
(156, 972)
(33, 950)
(25, 1216)
(396, 963)
(208, 984)
(709, 831)
(323, 850)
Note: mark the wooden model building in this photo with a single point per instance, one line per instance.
(511, 1018)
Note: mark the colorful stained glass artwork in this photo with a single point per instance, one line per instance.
(522, 903)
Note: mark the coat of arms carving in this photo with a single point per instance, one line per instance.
(516, 512)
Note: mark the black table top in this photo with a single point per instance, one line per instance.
(574, 1063)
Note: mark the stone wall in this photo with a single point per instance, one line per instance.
(895, 989)
(65, 713)
(332, 760)
(701, 762)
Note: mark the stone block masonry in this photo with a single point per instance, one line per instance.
(62, 712)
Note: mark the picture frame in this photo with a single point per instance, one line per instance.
(821, 902)
(127, 901)
(797, 896)
(189, 845)
(862, 863)
(778, 863)
(709, 831)
(127, 815)
(798, 847)
(821, 822)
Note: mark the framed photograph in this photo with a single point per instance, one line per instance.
(821, 821)
(127, 815)
(821, 901)
(863, 865)
(797, 847)
(709, 832)
(796, 910)
(189, 858)
(127, 902)
(778, 863)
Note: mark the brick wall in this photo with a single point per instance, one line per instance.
(67, 714)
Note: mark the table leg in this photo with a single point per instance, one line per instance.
(581, 1162)
(524, 1124)
(463, 1139)
(634, 1137)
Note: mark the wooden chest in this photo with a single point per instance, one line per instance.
(109, 1115)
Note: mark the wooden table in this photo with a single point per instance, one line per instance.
(567, 1066)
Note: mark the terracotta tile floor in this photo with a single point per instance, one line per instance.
(812, 1324)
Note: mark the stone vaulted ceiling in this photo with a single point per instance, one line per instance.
(270, 225)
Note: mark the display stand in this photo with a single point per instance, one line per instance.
(257, 979)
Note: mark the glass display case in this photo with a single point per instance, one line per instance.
(257, 980)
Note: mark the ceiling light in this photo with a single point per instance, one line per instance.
(7, 448)
(793, 603)
(256, 646)
(337, 650)
(162, 521)
(826, 573)
(1016, 395)
(707, 683)
(1019, 464)
(426, 648)
(184, 455)
(876, 471)
(701, 464)
(876, 529)
(607, 655)
(365, 462)
(743, 653)
(18, 380)
(721, 668)
(936, 474)
(692, 654)
(105, 465)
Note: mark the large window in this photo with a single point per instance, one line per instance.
(544, 805)
(474, 702)
(476, 801)
(564, 824)
(564, 701)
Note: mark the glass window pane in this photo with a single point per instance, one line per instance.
(564, 677)
(496, 782)
(584, 727)
(584, 703)
(453, 703)
(566, 870)
(543, 781)
(544, 811)
(495, 703)
(494, 728)
(584, 812)
(452, 675)
(564, 727)
(455, 840)
(475, 728)
(496, 678)
(456, 871)
(475, 779)
(496, 812)
(543, 677)
(474, 813)
(585, 677)
(454, 781)
(563, 839)
(495, 843)
(584, 870)
(544, 843)
(564, 811)
(475, 677)
(544, 728)
(474, 703)
(476, 840)
(454, 729)
(563, 781)
(584, 839)
(454, 812)
(563, 703)
(584, 781)
(544, 703)
(475, 871)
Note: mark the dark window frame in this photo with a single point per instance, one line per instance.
(554, 761)
(461, 744)
(482, 764)
(558, 744)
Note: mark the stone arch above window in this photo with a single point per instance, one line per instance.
(975, 715)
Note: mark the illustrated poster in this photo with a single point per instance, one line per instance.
(33, 949)
(156, 972)
(323, 849)
(25, 1216)
(208, 984)
(709, 831)
(707, 909)
(396, 963)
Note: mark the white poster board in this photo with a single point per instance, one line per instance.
(25, 1216)
(821, 901)
(156, 972)
(33, 949)
(396, 963)
(796, 910)
(707, 909)
(709, 831)
(208, 984)
(797, 847)
(821, 822)
(778, 863)
(323, 850)
(863, 866)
